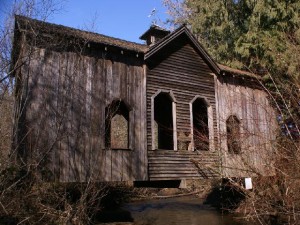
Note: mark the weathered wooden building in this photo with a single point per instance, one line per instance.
(93, 106)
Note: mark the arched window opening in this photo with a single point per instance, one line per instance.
(117, 125)
(163, 122)
(200, 125)
(233, 135)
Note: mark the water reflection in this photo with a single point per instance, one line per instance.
(175, 211)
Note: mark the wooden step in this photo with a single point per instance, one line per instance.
(173, 165)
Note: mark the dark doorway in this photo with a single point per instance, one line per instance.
(200, 125)
(163, 122)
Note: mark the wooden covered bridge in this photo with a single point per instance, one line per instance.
(93, 106)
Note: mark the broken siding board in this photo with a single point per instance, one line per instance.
(136, 123)
(94, 121)
(116, 80)
(68, 116)
(264, 132)
(62, 112)
(143, 123)
(259, 119)
(97, 124)
(217, 111)
(101, 100)
(30, 88)
(109, 82)
(139, 101)
(261, 146)
(82, 129)
(27, 88)
(250, 127)
(89, 68)
(89, 105)
(56, 123)
(222, 118)
(123, 79)
(129, 80)
(50, 98)
(131, 100)
(254, 120)
(99, 104)
(141, 93)
(42, 116)
(79, 115)
(244, 124)
(265, 122)
(72, 123)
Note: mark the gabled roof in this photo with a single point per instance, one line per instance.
(183, 30)
(31, 25)
(219, 69)
(25, 24)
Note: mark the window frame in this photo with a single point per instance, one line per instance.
(108, 118)
(236, 138)
(210, 122)
(171, 94)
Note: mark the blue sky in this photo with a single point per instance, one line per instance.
(125, 19)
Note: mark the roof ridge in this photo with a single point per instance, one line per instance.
(79, 31)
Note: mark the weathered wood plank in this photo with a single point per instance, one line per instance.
(187, 75)
(72, 122)
(108, 166)
(250, 105)
(127, 166)
(62, 112)
(117, 165)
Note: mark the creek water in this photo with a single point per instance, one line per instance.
(178, 211)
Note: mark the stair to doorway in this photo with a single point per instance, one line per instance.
(178, 165)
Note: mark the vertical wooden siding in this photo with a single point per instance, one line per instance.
(185, 74)
(181, 70)
(65, 112)
(258, 127)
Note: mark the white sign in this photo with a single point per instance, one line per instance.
(248, 183)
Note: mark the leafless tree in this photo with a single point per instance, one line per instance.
(25, 197)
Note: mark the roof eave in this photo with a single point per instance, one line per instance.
(23, 23)
(238, 73)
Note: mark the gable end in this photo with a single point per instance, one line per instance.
(183, 30)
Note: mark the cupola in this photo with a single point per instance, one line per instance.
(154, 34)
